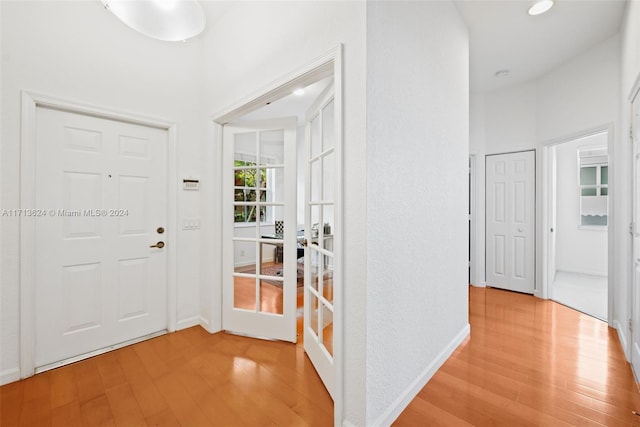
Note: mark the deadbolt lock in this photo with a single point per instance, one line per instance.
(158, 245)
(160, 230)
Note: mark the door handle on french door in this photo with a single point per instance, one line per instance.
(158, 245)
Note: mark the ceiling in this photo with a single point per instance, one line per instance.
(503, 36)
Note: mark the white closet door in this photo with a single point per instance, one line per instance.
(103, 186)
(510, 221)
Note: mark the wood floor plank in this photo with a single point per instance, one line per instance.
(97, 412)
(110, 370)
(165, 418)
(63, 387)
(183, 406)
(88, 380)
(68, 415)
(124, 407)
(11, 396)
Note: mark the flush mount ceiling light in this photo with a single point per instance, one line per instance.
(299, 92)
(167, 20)
(540, 6)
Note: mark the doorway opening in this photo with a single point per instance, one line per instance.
(276, 186)
(578, 212)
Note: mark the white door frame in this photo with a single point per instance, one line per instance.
(30, 102)
(548, 206)
(325, 65)
(473, 218)
(633, 315)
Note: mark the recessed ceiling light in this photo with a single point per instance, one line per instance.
(540, 6)
(502, 73)
(299, 92)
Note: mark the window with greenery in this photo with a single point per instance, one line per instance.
(594, 187)
(251, 186)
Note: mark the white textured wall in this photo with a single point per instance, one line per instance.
(255, 44)
(578, 250)
(579, 95)
(416, 210)
(79, 51)
(630, 69)
(510, 119)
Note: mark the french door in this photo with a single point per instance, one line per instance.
(259, 229)
(319, 231)
(101, 270)
(510, 221)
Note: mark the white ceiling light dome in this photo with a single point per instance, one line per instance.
(167, 20)
(540, 6)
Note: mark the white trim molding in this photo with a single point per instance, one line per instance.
(622, 336)
(403, 400)
(30, 102)
(9, 375)
(188, 323)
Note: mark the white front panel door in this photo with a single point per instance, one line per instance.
(319, 226)
(259, 229)
(635, 330)
(102, 188)
(510, 223)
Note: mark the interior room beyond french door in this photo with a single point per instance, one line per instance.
(510, 221)
(102, 188)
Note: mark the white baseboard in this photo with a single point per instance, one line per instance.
(9, 375)
(622, 336)
(187, 323)
(253, 262)
(348, 424)
(204, 322)
(587, 272)
(400, 404)
(479, 285)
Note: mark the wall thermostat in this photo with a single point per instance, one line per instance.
(190, 184)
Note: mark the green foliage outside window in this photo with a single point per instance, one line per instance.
(249, 184)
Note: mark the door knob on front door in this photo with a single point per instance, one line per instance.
(158, 245)
(160, 230)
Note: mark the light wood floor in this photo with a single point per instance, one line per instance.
(188, 378)
(528, 363)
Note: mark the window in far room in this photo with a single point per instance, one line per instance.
(594, 186)
(252, 189)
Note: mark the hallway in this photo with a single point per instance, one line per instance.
(529, 362)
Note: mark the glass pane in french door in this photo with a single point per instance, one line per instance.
(258, 205)
(328, 126)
